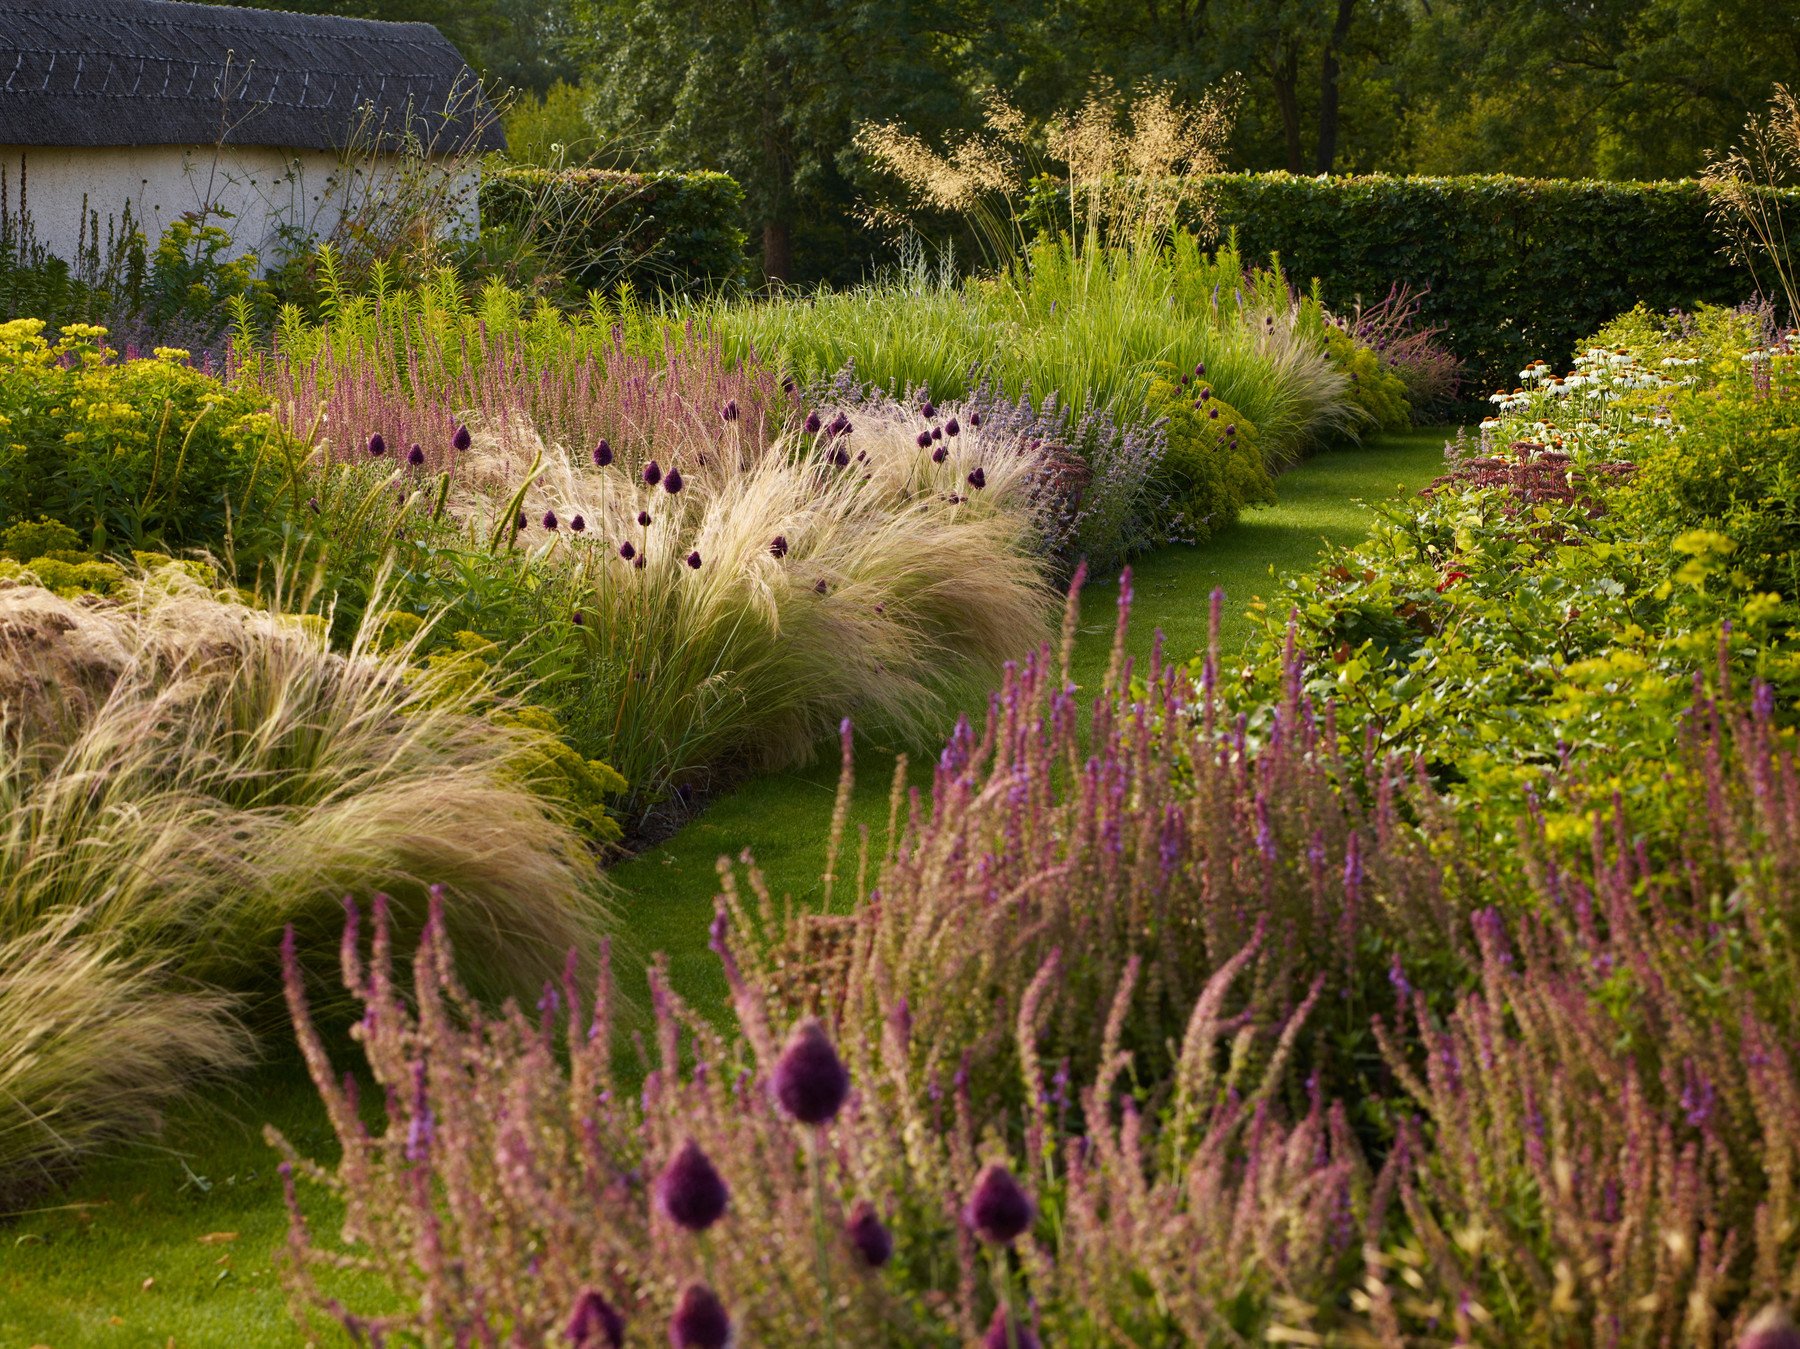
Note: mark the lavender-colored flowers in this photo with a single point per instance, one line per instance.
(594, 1323)
(603, 454)
(672, 483)
(811, 1081)
(691, 1192)
(377, 446)
(868, 1235)
(999, 1209)
(652, 473)
(700, 1320)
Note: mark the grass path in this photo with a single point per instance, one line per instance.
(170, 1246)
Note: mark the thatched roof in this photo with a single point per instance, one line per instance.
(158, 72)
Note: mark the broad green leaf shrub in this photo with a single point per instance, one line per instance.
(653, 231)
(126, 454)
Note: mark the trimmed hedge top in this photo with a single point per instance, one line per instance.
(657, 231)
(1517, 268)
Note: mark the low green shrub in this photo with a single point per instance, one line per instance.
(673, 232)
(1211, 465)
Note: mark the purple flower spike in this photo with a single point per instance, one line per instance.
(377, 446)
(778, 546)
(549, 519)
(813, 423)
(953, 427)
(578, 524)
(924, 440)
(672, 484)
(416, 455)
(644, 519)
(691, 1192)
(693, 559)
(594, 1323)
(868, 1235)
(626, 551)
(460, 441)
(700, 1320)
(811, 1081)
(941, 453)
(603, 454)
(1021, 1336)
(652, 473)
(730, 411)
(977, 479)
(999, 1210)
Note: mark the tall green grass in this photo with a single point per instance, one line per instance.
(182, 777)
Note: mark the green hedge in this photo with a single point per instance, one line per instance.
(1517, 268)
(659, 231)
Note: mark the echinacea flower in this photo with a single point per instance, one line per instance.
(869, 1236)
(594, 1323)
(416, 455)
(377, 446)
(999, 1209)
(603, 454)
(693, 559)
(690, 1190)
(652, 473)
(460, 441)
(672, 483)
(778, 546)
(811, 1081)
(977, 478)
(700, 1320)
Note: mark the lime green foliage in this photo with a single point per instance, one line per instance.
(549, 130)
(1374, 387)
(1209, 476)
(127, 454)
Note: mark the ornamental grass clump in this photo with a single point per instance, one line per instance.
(182, 776)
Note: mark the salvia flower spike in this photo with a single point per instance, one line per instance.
(999, 1209)
(700, 1320)
(868, 1235)
(594, 1323)
(690, 1190)
(811, 1081)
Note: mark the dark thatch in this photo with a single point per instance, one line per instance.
(159, 72)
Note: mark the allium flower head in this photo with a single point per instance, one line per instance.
(700, 1320)
(639, 562)
(868, 1235)
(460, 441)
(1200, 369)
(549, 519)
(977, 478)
(997, 1337)
(652, 473)
(578, 524)
(999, 1210)
(312, 504)
(672, 483)
(778, 546)
(937, 433)
(941, 453)
(644, 519)
(928, 409)
(813, 423)
(811, 1081)
(924, 440)
(690, 1190)
(975, 420)
(1213, 413)
(626, 551)
(377, 446)
(603, 454)
(953, 427)
(1230, 430)
(523, 522)
(594, 1323)
(693, 559)
(576, 618)
(1771, 1328)
(841, 458)
(416, 455)
(730, 411)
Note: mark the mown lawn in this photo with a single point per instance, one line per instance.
(172, 1245)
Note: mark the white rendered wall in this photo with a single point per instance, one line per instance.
(270, 200)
